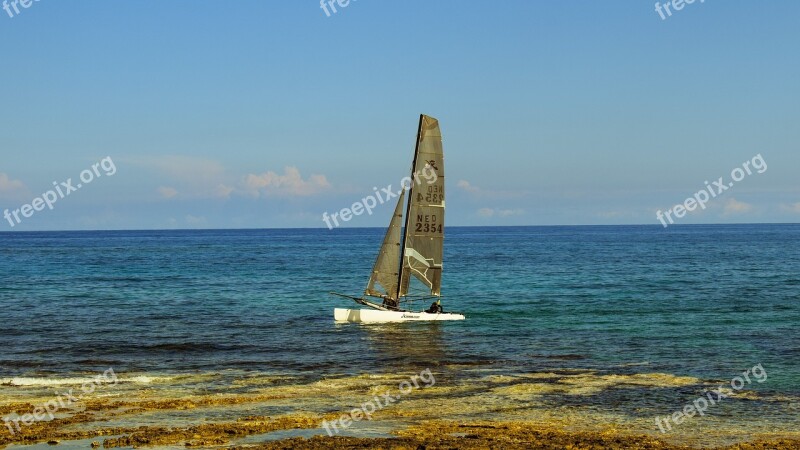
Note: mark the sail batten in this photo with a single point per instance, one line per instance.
(385, 274)
(422, 251)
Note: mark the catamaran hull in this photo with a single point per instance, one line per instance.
(375, 316)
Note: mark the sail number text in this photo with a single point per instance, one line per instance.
(427, 223)
(434, 194)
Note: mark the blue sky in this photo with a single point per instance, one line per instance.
(255, 114)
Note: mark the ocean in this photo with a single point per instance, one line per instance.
(639, 320)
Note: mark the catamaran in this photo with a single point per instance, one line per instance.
(414, 249)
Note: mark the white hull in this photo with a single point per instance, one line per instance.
(375, 316)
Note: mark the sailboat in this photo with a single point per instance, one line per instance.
(412, 251)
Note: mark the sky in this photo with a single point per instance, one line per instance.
(267, 114)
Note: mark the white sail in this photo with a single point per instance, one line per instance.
(386, 271)
(424, 231)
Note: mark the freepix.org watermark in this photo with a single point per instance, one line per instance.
(61, 191)
(712, 190)
(51, 407)
(325, 4)
(368, 408)
(369, 202)
(700, 405)
(8, 5)
(676, 5)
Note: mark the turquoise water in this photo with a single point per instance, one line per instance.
(703, 301)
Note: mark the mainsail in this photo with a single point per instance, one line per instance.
(424, 230)
(385, 273)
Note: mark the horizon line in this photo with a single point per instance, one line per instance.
(369, 228)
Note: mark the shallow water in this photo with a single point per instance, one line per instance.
(576, 325)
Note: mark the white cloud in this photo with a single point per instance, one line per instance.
(733, 206)
(290, 183)
(195, 220)
(509, 212)
(609, 214)
(465, 185)
(183, 168)
(9, 187)
(196, 177)
(489, 212)
(223, 191)
(483, 193)
(793, 208)
(167, 192)
(192, 177)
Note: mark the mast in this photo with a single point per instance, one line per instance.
(408, 209)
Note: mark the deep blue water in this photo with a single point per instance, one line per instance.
(706, 301)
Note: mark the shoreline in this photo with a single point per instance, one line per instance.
(463, 409)
(430, 435)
